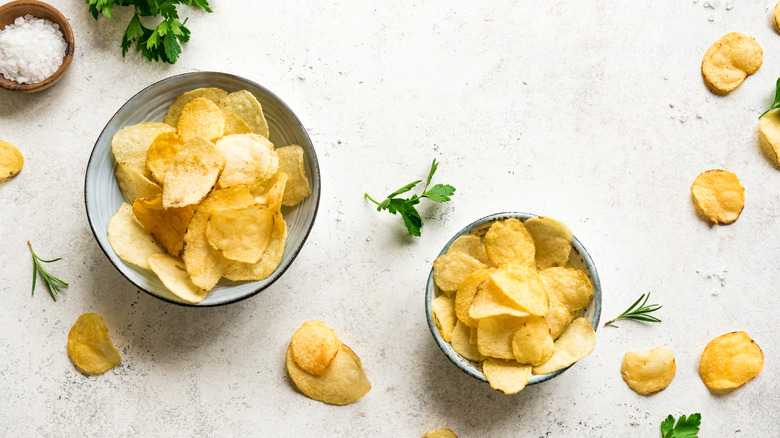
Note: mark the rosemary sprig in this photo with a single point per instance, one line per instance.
(641, 313)
(52, 283)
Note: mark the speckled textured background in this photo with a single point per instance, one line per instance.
(591, 112)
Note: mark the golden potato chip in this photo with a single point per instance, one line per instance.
(777, 16)
(532, 343)
(471, 245)
(495, 335)
(213, 94)
(245, 105)
(173, 275)
(201, 118)
(236, 125)
(444, 316)
(719, 195)
(193, 173)
(129, 239)
(343, 382)
(314, 345)
(522, 286)
(769, 134)
(450, 270)
(247, 159)
(268, 262)
(489, 301)
(559, 317)
(506, 376)
(576, 342)
(730, 60)
(508, 241)
(131, 144)
(270, 194)
(90, 347)
(11, 160)
(241, 234)
(552, 240)
(167, 225)
(647, 372)
(441, 432)
(571, 286)
(160, 154)
(461, 343)
(731, 360)
(134, 184)
(205, 265)
(467, 290)
(291, 162)
(473, 337)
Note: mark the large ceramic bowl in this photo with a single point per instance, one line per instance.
(103, 197)
(579, 259)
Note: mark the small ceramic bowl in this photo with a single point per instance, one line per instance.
(103, 197)
(10, 12)
(579, 259)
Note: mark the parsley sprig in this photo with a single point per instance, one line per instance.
(776, 103)
(686, 427)
(161, 43)
(405, 207)
(52, 283)
(640, 313)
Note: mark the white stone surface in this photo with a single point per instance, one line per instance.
(591, 112)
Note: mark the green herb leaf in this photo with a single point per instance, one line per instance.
(53, 284)
(638, 312)
(776, 103)
(686, 427)
(439, 193)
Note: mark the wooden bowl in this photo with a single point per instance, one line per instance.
(9, 12)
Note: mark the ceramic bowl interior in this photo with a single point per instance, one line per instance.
(579, 259)
(103, 197)
(9, 12)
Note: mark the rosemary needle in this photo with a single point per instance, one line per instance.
(52, 283)
(641, 313)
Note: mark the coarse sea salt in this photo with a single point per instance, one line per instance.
(31, 49)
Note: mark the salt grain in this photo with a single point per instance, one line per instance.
(31, 50)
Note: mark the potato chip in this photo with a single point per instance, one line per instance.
(450, 270)
(160, 154)
(441, 432)
(461, 343)
(131, 144)
(129, 239)
(314, 345)
(473, 337)
(245, 105)
(11, 160)
(508, 241)
(90, 347)
(291, 162)
(730, 60)
(343, 382)
(559, 317)
(444, 315)
(167, 225)
(731, 360)
(522, 286)
(467, 290)
(268, 262)
(489, 301)
(506, 376)
(647, 372)
(719, 195)
(247, 159)
(532, 343)
(201, 118)
(241, 234)
(571, 286)
(552, 240)
(213, 94)
(471, 245)
(495, 336)
(271, 193)
(134, 184)
(777, 16)
(193, 173)
(173, 275)
(236, 125)
(769, 134)
(576, 342)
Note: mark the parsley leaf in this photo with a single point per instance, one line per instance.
(686, 427)
(776, 103)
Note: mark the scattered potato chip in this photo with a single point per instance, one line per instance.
(90, 347)
(134, 184)
(201, 118)
(444, 316)
(11, 160)
(343, 382)
(129, 239)
(441, 432)
(647, 372)
(173, 275)
(314, 345)
(167, 225)
(769, 133)
(576, 342)
(131, 144)
(291, 162)
(523, 286)
(508, 241)
(236, 125)
(552, 240)
(247, 159)
(489, 301)
(495, 335)
(730, 60)
(241, 234)
(268, 262)
(213, 94)
(461, 343)
(193, 173)
(719, 195)
(245, 105)
(506, 376)
(532, 343)
(467, 290)
(559, 317)
(731, 360)
(471, 245)
(777, 16)
(160, 154)
(571, 286)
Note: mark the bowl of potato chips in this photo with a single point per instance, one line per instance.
(202, 188)
(514, 299)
